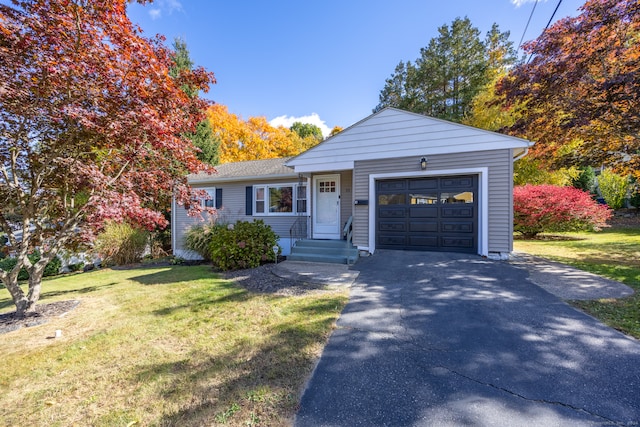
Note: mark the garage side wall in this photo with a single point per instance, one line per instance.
(500, 189)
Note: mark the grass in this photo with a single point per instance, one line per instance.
(163, 346)
(611, 253)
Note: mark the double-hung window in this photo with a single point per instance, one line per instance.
(280, 199)
(209, 202)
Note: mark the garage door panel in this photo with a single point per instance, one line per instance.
(386, 186)
(457, 242)
(392, 212)
(456, 182)
(423, 212)
(457, 212)
(430, 243)
(456, 227)
(430, 214)
(423, 227)
(393, 240)
(392, 226)
(423, 184)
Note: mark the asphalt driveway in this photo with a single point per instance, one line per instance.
(432, 339)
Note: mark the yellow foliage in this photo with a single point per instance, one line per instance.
(253, 139)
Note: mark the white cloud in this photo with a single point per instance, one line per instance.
(168, 6)
(519, 3)
(313, 119)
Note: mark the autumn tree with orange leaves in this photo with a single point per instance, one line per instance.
(580, 92)
(91, 129)
(253, 139)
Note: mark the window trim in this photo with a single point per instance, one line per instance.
(211, 191)
(294, 202)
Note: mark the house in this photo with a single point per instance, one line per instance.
(394, 180)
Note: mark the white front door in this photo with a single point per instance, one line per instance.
(326, 207)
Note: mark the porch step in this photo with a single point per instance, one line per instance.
(328, 251)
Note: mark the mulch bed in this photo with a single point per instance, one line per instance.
(43, 312)
(262, 280)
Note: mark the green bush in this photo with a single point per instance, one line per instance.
(198, 238)
(613, 188)
(51, 269)
(243, 245)
(121, 244)
(585, 180)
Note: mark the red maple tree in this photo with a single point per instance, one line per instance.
(580, 91)
(91, 128)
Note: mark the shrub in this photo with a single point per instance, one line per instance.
(531, 171)
(121, 243)
(613, 188)
(585, 180)
(539, 208)
(51, 269)
(243, 245)
(198, 238)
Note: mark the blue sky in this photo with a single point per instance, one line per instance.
(323, 62)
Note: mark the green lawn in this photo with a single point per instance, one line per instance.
(611, 253)
(163, 346)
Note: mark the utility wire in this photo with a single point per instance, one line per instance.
(548, 23)
(527, 26)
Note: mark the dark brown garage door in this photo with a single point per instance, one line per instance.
(428, 214)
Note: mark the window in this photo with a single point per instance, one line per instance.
(211, 201)
(279, 199)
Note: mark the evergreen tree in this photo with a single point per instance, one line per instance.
(451, 70)
(203, 138)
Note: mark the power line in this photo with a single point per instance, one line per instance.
(552, 15)
(527, 26)
(548, 23)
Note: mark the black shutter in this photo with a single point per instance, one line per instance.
(218, 198)
(249, 201)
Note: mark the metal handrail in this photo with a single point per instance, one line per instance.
(347, 231)
(298, 230)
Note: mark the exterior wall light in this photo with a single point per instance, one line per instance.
(423, 163)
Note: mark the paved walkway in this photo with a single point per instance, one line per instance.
(432, 339)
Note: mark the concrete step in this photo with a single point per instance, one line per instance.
(324, 250)
(323, 243)
(328, 251)
(333, 259)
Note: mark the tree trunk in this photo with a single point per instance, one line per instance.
(25, 303)
(17, 294)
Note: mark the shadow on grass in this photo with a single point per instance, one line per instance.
(205, 302)
(243, 384)
(50, 294)
(173, 274)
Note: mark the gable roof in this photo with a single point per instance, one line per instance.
(247, 170)
(392, 132)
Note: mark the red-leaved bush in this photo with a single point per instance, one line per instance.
(539, 208)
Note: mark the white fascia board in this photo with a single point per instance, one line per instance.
(483, 196)
(324, 167)
(215, 179)
(320, 162)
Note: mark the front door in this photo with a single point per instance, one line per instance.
(326, 207)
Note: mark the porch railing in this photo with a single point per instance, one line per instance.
(347, 231)
(299, 230)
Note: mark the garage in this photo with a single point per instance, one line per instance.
(438, 213)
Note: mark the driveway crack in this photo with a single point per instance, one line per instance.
(546, 402)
